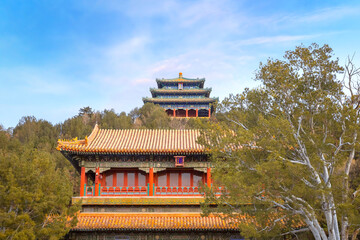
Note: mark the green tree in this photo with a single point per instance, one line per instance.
(134, 114)
(76, 126)
(34, 195)
(287, 148)
(42, 135)
(109, 119)
(153, 116)
(36, 133)
(86, 111)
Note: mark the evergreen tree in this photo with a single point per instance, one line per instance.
(36, 133)
(109, 119)
(34, 195)
(153, 116)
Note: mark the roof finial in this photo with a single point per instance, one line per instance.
(180, 75)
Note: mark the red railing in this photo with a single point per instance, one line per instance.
(144, 191)
(89, 190)
(111, 191)
(184, 191)
(163, 190)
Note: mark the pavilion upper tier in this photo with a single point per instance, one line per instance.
(183, 97)
(198, 82)
(155, 92)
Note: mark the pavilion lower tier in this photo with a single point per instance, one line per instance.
(188, 112)
(136, 182)
(89, 190)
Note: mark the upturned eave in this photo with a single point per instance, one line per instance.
(205, 91)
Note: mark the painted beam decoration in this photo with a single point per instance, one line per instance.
(165, 201)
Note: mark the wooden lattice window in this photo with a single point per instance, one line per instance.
(181, 178)
(125, 179)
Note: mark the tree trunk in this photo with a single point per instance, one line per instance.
(354, 236)
(344, 219)
(344, 227)
(315, 232)
(329, 210)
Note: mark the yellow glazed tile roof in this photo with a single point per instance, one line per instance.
(129, 141)
(156, 91)
(181, 80)
(163, 222)
(164, 90)
(159, 100)
(151, 221)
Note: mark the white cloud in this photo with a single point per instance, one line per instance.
(274, 39)
(315, 17)
(128, 48)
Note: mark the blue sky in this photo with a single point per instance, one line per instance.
(59, 56)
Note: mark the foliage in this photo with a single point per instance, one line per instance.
(34, 194)
(109, 119)
(286, 148)
(36, 133)
(79, 126)
(86, 111)
(153, 116)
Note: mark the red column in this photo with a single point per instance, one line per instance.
(97, 181)
(197, 113)
(208, 177)
(209, 112)
(151, 181)
(174, 113)
(82, 181)
(187, 115)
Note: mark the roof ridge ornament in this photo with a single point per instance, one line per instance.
(180, 75)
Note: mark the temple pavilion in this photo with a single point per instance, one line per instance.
(183, 97)
(143, 184)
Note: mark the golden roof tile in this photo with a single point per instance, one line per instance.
(175, 100)
(151, 221)
(145, 141)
